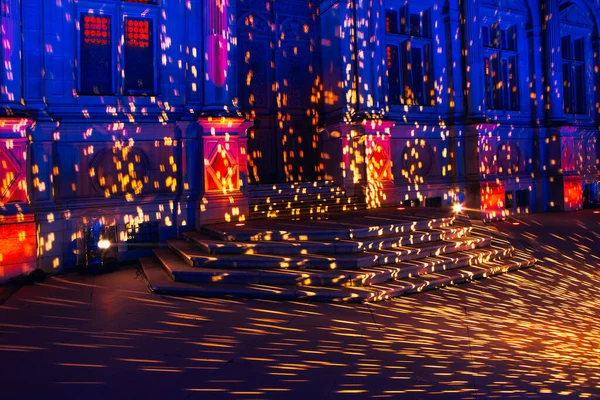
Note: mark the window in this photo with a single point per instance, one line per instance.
(500, 63)
(139, 56)
(522, 198)
(143, 236)
(573, 66)
(95, 58)
(108, 67)
(409, 56)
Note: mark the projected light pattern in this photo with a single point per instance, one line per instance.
(186, 114)
(531, 334)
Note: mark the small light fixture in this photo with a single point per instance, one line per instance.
(103, 244)
(457, 208)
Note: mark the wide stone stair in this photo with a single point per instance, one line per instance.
(300, 200)
(365, 255)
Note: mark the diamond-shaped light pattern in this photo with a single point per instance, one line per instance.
(223, 171)
(9, 176)
(378, 162)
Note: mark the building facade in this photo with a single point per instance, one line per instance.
(134, 121)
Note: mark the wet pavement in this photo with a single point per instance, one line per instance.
(529, 334)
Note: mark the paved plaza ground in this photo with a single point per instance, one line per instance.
(529, 334)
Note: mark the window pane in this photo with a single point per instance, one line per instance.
(407, 74)
(488, 83)
(418, 76)
(579, 49)
(579, 89)
(404, 20)
(391, 21)
(504, 82)
(513, 83)
(428, 76)
(485, 36)
(496, 82)
(415, 24)
(393, 74)
(139, 55)
(95, 56)
(511, 38)
(494, 36)
(567, 94)
(566, 47)
(426, 23)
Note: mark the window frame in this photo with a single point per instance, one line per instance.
(152, 16)
(572, 63)
(400, 41)
(507, 19)
(503, 54)
(118, 10)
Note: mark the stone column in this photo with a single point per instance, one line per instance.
(455, 59)
(371, 63)
(225, 179)
(534, 36)
(10, 79)
(474, 87)
(40, 162)
(190, 164)
(223, 140)
(18, 249)
(553, 80)
(220, 57)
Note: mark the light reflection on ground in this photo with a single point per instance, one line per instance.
(529, 334)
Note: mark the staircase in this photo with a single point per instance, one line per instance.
(300, 199)
(365, 255)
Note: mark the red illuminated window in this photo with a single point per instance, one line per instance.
(96, 29)
(139, 55)
(95, 57)
(137, 32)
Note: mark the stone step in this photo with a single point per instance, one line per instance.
(181, 271)
(305, 207)
(161, 283)
(259, 189)
(326, 230)
(296, 194)
(289, 247)
(195, 255)
(302, 203)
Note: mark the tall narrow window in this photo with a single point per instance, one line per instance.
(500, 63)
(139, 55)
(573, 55)
(393, 74)
(95, 60)
(409, 56)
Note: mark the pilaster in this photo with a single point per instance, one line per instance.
(225, 179)
(553, 79)
(474, 88)
(220, 52)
